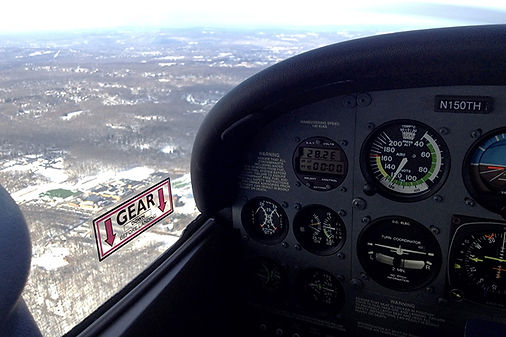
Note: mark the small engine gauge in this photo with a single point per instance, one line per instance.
(405, 160)
(399, 253)
(321, 290)
(485, 171)
(477, 263)
(319, 229)
(264, 220)
(320, 163)
(266, 278)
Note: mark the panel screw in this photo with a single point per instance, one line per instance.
(297, 206)
(435, 230)
(371, 125)
(359, 203)
(476, 133)
(438, 198)
(349, 101)
(344, 142)
(297, 183)
(245, 237)
(366, 219)
(429, 290)
(342, 212)
(342, 189)
(340, 256)
(279, 332)
(356, 283)
(364, 99)
(297, 247)
(444, 131)
(297, 139)
(284, 204)
(340, 277)
(284, 244)
(469, 202)
(369, 189)
(364, 276)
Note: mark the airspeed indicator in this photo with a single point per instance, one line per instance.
(405, 160)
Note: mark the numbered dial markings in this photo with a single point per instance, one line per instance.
(321, 290)
(399, 253)
(485, 171)
(265, 220)
(477, 265)
(405, 160)
(319, 229)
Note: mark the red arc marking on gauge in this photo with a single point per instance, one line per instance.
(495, 167)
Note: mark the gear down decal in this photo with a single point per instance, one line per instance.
(132, 217)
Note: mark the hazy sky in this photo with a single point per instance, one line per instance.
(37, 15)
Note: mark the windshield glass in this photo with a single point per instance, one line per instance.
(101, 101)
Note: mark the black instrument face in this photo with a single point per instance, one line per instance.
(399, 253)
(266, 278)
(405, 160)
(477, 264)
(485, 171)
(319, 229)
(321, 290)
(320, 163)
(265, 220)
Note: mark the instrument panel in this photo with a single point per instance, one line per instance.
(378, 214)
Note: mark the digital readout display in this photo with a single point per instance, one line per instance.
(317, 160)
(325, 154)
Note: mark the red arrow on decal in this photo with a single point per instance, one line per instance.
(161, 197)
(110, 235)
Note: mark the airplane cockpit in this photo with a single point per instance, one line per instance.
(358, 189)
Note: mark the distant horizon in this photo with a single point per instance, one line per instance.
(376, 28)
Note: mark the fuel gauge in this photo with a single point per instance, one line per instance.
(319, 229)
(321, 290)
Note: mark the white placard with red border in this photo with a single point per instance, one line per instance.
(129, 219)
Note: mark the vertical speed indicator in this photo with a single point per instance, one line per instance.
(405, 160)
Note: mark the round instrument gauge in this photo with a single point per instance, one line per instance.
(405, 160)
(265, 220)
(399, 253)
(321, 290)
(477, 263)
(266, 277)
(320, 163)
(319, 229)
(485, 171)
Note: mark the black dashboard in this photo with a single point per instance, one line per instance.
(370, 207)
(367, 184)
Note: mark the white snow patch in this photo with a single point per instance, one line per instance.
(169, 149)
(139, 173)
(71, 115)
(170, 58)
(38, 53)
(52, 258)
(167, 64)
(147, 238)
